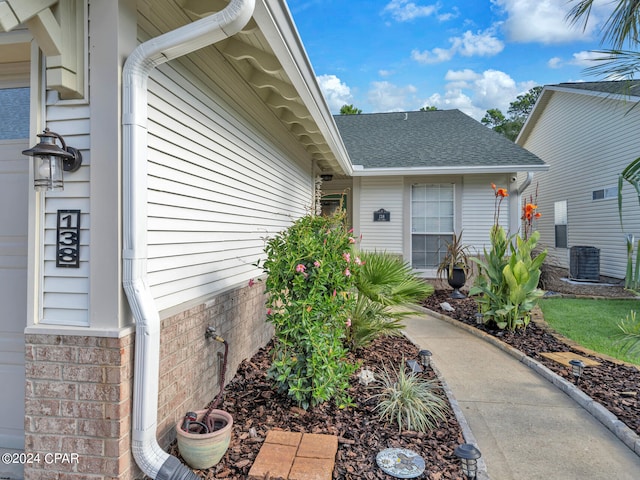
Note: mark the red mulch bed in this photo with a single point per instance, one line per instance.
(256, 408)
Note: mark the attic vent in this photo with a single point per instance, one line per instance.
(584, 263)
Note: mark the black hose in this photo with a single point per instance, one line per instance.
(208, 423)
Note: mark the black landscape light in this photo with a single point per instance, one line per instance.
(425, 358)
(50, 161)
(577, 367)
(468, 455)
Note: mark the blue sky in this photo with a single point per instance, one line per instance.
(473, 55)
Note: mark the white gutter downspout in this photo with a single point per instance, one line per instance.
(153, 461)
(515, 206)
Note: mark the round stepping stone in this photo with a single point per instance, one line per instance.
(400, 462)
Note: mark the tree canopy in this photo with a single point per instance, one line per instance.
(518, 112)
(349, 110)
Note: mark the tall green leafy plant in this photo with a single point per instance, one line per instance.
(630, 174)
(310, 283)
(508, 276)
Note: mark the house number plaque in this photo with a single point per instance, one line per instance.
(381, 215)
(68, 239)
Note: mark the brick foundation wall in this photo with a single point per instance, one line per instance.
(190, 364)
(78, 389)
(78, 405)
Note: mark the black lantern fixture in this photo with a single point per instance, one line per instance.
(425, 358)
(50, 160)
(577, 367)
(468, 455)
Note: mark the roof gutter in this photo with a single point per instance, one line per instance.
(360, 171)
(153, 461)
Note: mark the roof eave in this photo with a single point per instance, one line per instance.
(360, 171)
(276, 23)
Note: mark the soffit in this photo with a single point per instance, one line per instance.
(251, 56)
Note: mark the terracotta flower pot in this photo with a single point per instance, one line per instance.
(205, 450)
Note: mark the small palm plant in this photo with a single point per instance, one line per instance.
(456, 256)
(411, 401)
(630, 334)
(383, 283)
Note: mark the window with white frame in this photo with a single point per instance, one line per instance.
(432, 223)
(560, 223)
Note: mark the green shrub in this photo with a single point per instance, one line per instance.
(412, 402)
(310, 288)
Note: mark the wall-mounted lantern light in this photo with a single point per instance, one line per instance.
(50, 160)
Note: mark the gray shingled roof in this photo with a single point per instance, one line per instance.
(621, 87)
(439, 138)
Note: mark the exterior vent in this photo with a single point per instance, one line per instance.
(584, 264)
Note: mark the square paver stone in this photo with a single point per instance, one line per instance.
(273, 459)
(311, 469)
(314, 445)
(283, 438)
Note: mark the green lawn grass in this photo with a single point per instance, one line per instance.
(591, 323)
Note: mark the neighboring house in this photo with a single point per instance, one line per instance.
(588, 133)
(196, 144)
(418, 177)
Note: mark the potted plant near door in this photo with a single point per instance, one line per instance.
(454, 266)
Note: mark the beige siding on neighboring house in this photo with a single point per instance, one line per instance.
(65, 291)
(217, 188)
(587, 141)
(377, 193)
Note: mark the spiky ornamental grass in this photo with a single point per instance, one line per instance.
(411, 401)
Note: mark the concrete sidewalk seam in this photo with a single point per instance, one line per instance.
(597, 410)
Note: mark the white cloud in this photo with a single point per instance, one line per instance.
(474, 93)
(483, 44)
(544, 21)
(586, 58)
(555, 62)
(404, 10)
(335, 92)
(385, 73)
(437, 55)
(387, 97)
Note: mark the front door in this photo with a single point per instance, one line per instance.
(14, 189)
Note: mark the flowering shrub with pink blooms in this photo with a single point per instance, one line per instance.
(310, 284)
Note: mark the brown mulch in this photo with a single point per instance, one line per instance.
(613, 384)
(256, 408)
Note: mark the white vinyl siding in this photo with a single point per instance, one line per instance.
(216, 190)
(587, 141)
(377, 193)
(478, 206)
(65, 291)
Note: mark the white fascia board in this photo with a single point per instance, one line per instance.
(360, 171)
(275, 22)
(593, 93)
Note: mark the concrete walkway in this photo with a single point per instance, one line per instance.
(525, 426)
